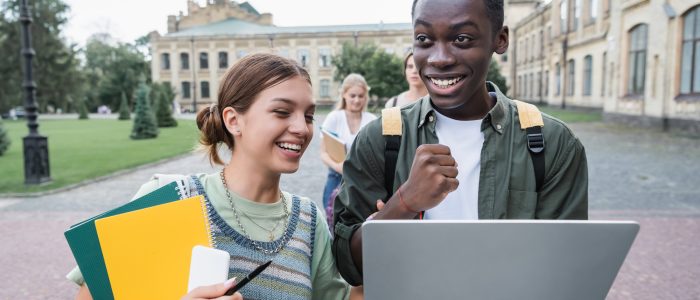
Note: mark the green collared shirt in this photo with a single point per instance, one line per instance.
(507, 185)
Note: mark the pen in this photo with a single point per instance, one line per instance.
(247, 278)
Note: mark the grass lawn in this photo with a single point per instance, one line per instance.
(571, 115)
(86, 149)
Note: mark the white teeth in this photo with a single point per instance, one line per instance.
(288, 146)
(445, 83)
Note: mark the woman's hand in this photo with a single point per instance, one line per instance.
(215, 291)
(338, 167)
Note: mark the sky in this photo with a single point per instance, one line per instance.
(127, 20)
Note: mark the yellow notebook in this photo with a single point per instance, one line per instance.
(147, 252)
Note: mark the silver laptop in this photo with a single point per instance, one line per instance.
(496, 259)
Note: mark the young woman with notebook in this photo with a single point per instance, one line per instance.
(344, 123)
(264, 116)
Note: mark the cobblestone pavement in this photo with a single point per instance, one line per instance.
(634, 174)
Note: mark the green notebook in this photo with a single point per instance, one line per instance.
(85, 244)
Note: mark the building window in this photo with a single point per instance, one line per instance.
(637, 60)
(241, 53)
(593, 10)
(577, 15)
(587, 75)
(205, 89)
(571, 66)
(538, 81)
(223, 60)
(185, 89)
(557, 79)
(324, 58)
(563, 13)
(690, 64)
(303, 57)
(604, 73)
(325, 88)
(204, 60)
(283, 52)
(519, 92)
(546, 83)
(184, 61)
(165, 61)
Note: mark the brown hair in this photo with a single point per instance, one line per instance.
(353, 79)
(405, 60)
(238, 89)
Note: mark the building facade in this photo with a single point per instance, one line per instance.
(200, 46)
(636, 60)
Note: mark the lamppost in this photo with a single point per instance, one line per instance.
(194, 77)
(36, 148)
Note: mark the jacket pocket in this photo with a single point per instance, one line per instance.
(521, 204)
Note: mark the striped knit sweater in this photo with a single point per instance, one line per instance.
(289, 275)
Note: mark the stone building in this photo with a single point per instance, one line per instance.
(199, 47)
(636, 60)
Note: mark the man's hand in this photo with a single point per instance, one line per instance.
(433, 176)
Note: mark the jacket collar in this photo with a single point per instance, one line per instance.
(497, 117)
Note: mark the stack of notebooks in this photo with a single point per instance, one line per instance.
(141, 250)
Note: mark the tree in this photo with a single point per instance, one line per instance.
(164, 114)
(83, 110)
(494, 75)
(4, 139)
(144, 121)
(57, 68)
(383, 71)
(124, 113)
(113, 69)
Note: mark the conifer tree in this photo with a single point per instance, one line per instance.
(144, 121)
(124, 113)
(82, 110)
(4, 139)
(164, 114)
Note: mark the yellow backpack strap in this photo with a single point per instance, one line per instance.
(531, 121)
(391, 130)
(391, 121)
(529, 114)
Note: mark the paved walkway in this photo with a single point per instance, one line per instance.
(634, 175)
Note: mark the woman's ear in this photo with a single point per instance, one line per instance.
(232, 121)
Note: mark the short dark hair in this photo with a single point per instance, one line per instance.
(494, 9)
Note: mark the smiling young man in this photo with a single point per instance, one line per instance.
(462, 154)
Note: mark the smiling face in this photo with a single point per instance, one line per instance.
(277, 128)
(355, 98)
(453, 44)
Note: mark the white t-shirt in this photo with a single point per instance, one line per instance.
(337, 123)
(465, 140)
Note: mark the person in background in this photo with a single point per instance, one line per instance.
(344, 123)
(416, 88)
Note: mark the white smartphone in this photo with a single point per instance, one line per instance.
(208, 266)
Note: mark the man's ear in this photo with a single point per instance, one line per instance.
(501, 41)
(232, 121)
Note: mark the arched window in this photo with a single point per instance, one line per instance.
(204, 60)
(587, 75)
(557, 79)
(571, 68)
(184, 61)
(690, 59)
(637, 60)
